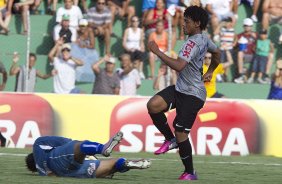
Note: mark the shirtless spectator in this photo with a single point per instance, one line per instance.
(272, 13)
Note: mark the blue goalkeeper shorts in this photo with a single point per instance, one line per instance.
(61, 161)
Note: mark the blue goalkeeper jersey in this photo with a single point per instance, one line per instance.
(41, 150)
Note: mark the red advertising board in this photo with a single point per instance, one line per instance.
(221, 128)
(23, 118)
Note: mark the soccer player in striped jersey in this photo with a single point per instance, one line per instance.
(189, 94)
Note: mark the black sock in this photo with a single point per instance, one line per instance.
(160, 121)
(185, 152)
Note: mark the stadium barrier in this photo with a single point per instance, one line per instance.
(222, 127)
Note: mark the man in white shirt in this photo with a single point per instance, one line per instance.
(64, 68)
(129, 77)
(73, 11)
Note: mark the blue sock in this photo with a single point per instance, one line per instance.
(91, 148)
(120, 166)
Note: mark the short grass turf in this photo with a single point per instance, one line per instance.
(165, 169)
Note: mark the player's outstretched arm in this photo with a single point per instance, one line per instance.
(176, 64)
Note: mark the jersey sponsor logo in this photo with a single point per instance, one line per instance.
(91, 169)
(188, 48)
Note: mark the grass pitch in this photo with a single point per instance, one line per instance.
(165, 170)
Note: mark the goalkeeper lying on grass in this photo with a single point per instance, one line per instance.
(59, 156)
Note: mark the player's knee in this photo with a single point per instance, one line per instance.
(153, 106)
(181, 135)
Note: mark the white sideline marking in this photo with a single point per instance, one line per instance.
(13, 154)
(238, 163)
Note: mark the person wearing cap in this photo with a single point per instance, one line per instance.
(86, 37)
(64, 32)
(247, 54)
(20, 73)
(84, 49)
(276, 83)
(64, 68)
(107, 80)
(73, 11)
(264, 48)
(227, 43)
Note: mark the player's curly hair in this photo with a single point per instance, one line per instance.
(197, 14)
(30, 163)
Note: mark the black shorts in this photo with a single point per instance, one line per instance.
(137, 55)
(187, 108)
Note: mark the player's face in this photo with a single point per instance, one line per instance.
(188, 26)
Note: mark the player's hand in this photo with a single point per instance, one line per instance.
(207, 77)
(152, 45)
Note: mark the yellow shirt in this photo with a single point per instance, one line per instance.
(2, 3)
(211, 86)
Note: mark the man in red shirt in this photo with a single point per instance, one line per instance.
(246, 53)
